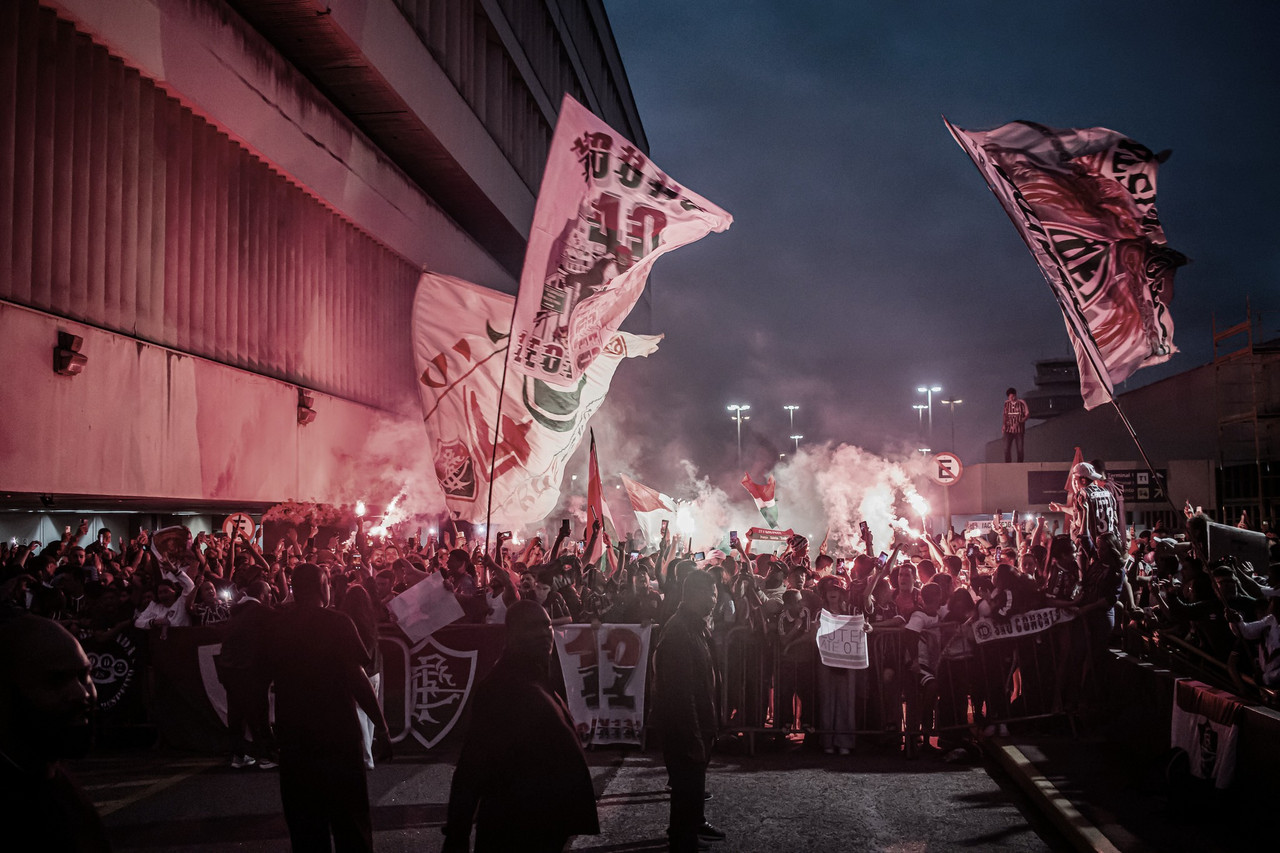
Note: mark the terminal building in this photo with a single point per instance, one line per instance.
(1212, 432)
(216, 214)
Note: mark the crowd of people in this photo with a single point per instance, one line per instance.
(1116, 579)
(920, 604)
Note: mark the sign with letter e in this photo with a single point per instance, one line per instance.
(946, 469)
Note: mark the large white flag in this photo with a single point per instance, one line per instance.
(460, 334)
(605, 214)
(1084, 202)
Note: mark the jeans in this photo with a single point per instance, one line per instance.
(1011, 438)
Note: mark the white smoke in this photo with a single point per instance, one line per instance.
(396, 466)
(824, 490)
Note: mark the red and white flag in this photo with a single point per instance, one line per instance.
(651, 507)
(459, 343)
(763, 496)
(1084, 202)
(605, 214)
(598, 510)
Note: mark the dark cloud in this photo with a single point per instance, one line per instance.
(867, 256)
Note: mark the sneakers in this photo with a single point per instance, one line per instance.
(239, 762)
(267, 764)
(711, 833)
(844, 750)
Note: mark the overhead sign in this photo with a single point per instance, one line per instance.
(1138, 485)
(237, 523)
(946, 469)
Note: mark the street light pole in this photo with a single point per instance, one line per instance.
(791, 410)
(930, 390)
(796, 439)
(920, 407)
(737, 410)
(952, 404)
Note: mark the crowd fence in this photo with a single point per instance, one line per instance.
(767, 689)
(957, 685)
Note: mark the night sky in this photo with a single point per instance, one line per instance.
(867, 256)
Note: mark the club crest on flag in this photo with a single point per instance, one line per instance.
(440, 680)
(459, 350)
(455, 470)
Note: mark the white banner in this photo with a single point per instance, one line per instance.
(605, 214)
(1204, 724)
(604, 679)
(460, 334)
(842, 640)
(425, 608)
(1031, 622)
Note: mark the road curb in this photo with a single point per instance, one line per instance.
(1075, 827)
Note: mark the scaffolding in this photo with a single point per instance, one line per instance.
(1248, 391)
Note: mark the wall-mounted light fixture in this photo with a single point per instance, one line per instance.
(306, 414)
(67, 358)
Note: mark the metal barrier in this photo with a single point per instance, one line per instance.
(917, 686)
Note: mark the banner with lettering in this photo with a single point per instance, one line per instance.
(1020, 625)
(605, 214)
(842, 640)
(1083, 200)
(460, 334)
(604, 679)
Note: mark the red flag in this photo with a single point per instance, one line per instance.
(1071, 476)
(595, 505)
(1084, 202)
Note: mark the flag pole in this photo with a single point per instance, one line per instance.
(1124, 419)
(497, 422)
(1074, 311)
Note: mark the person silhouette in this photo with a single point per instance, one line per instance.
(47, 698)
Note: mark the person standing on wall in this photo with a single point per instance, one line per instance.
(1014, 424)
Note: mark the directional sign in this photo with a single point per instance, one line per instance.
(946, 469)
(239, 522)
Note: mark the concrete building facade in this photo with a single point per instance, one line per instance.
(223, 207)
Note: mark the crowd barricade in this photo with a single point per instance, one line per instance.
(917, 685)
(425, 688)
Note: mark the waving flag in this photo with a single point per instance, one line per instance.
(598, 510)
(763, 496)
(605, 214)
(651, 507)
(1084, 202)
(459, 343)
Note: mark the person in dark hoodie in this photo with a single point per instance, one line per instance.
(522, 776)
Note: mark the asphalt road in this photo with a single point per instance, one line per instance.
(780, 800)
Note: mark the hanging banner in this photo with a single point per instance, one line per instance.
(1031, 622)
(605, 214)
(459, 343)
(1205, 725)
(842, 640)
(113, 665)
(1083, 200)
(604, 679)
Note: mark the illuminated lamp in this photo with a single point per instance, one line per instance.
(67, 358)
